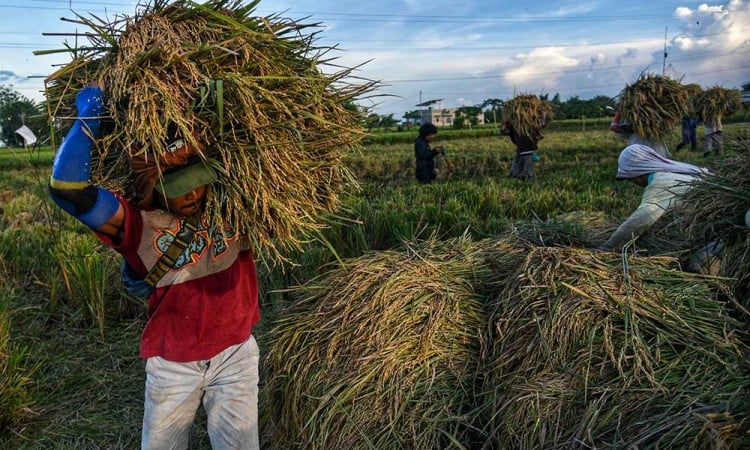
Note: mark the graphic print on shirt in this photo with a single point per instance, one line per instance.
(197, 247)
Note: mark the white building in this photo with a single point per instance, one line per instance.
(434, 113)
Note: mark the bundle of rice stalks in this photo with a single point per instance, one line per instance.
(693, 90)
(589, 351)
(580, 349)
(715, 209)
(248, 91)
(653, 105)
(528, 114)
(717, 102)
(381, 353)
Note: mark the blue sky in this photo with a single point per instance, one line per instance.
(463, 52)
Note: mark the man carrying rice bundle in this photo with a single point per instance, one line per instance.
(648, 110)
(524, 118)
(713, 104)
(221, 133)
(197, 340)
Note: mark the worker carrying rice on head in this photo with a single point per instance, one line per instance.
(524, 118)
(664, 180)
(202, 306)
(649, 109)
(210, 137)
(522, 166)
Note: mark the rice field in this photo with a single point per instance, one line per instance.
(514, 343)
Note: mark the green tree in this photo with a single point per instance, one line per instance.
(467, 115)
(15, 111)
(387, 122)
(495, 110)
(372, 121)
(412, 117)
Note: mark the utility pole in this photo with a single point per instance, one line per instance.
(664, 60)
(420, 96)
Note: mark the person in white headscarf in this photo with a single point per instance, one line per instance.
(664, 180)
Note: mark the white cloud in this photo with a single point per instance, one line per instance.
(538, 61)
(711, 42)
(706, 9)
(683, 12)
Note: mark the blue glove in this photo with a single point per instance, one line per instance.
(70, 185)
(133, 284)
(90, 102)
(535, 158)
(72, 165)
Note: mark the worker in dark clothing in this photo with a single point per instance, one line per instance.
(689, 135)
(425, 155)
(526, 146)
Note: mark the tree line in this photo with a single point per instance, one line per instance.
(572, 108)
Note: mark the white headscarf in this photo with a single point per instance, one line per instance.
(637, 160)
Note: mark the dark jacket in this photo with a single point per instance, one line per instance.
(425, 160)
(522, 142)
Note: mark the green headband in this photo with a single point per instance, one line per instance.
(187, 179)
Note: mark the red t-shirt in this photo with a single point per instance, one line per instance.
(206, 303)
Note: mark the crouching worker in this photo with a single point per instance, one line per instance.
(203, 301)
(664, 181)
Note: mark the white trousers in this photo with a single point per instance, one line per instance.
(227, 384)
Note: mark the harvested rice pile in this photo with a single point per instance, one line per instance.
(717, 102)
(716, 209)
(381, 354)
(587, 350)
(528, 114)
(251, 88)
(653, 105)
(503, 344)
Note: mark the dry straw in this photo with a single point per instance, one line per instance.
(717, 102)
(593, 350)
(251, 88)
(715, 208)
(382, 354)
(528, 114)
(503, 344)
(653, 105)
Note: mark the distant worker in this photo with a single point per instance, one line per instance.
(689, 135)
(425, 155)
(664, 180)
(713, 139)
(522, 166)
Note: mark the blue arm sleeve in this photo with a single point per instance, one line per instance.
(72, 166)
(71, 171)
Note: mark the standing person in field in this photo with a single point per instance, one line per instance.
(689, 135)
(425, 155)
(664, 181)
(713, 139)
(197, 341)
(522, 166)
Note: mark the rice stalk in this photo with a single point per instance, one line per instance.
(528, 114)
(653, 105)
(249, 91)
